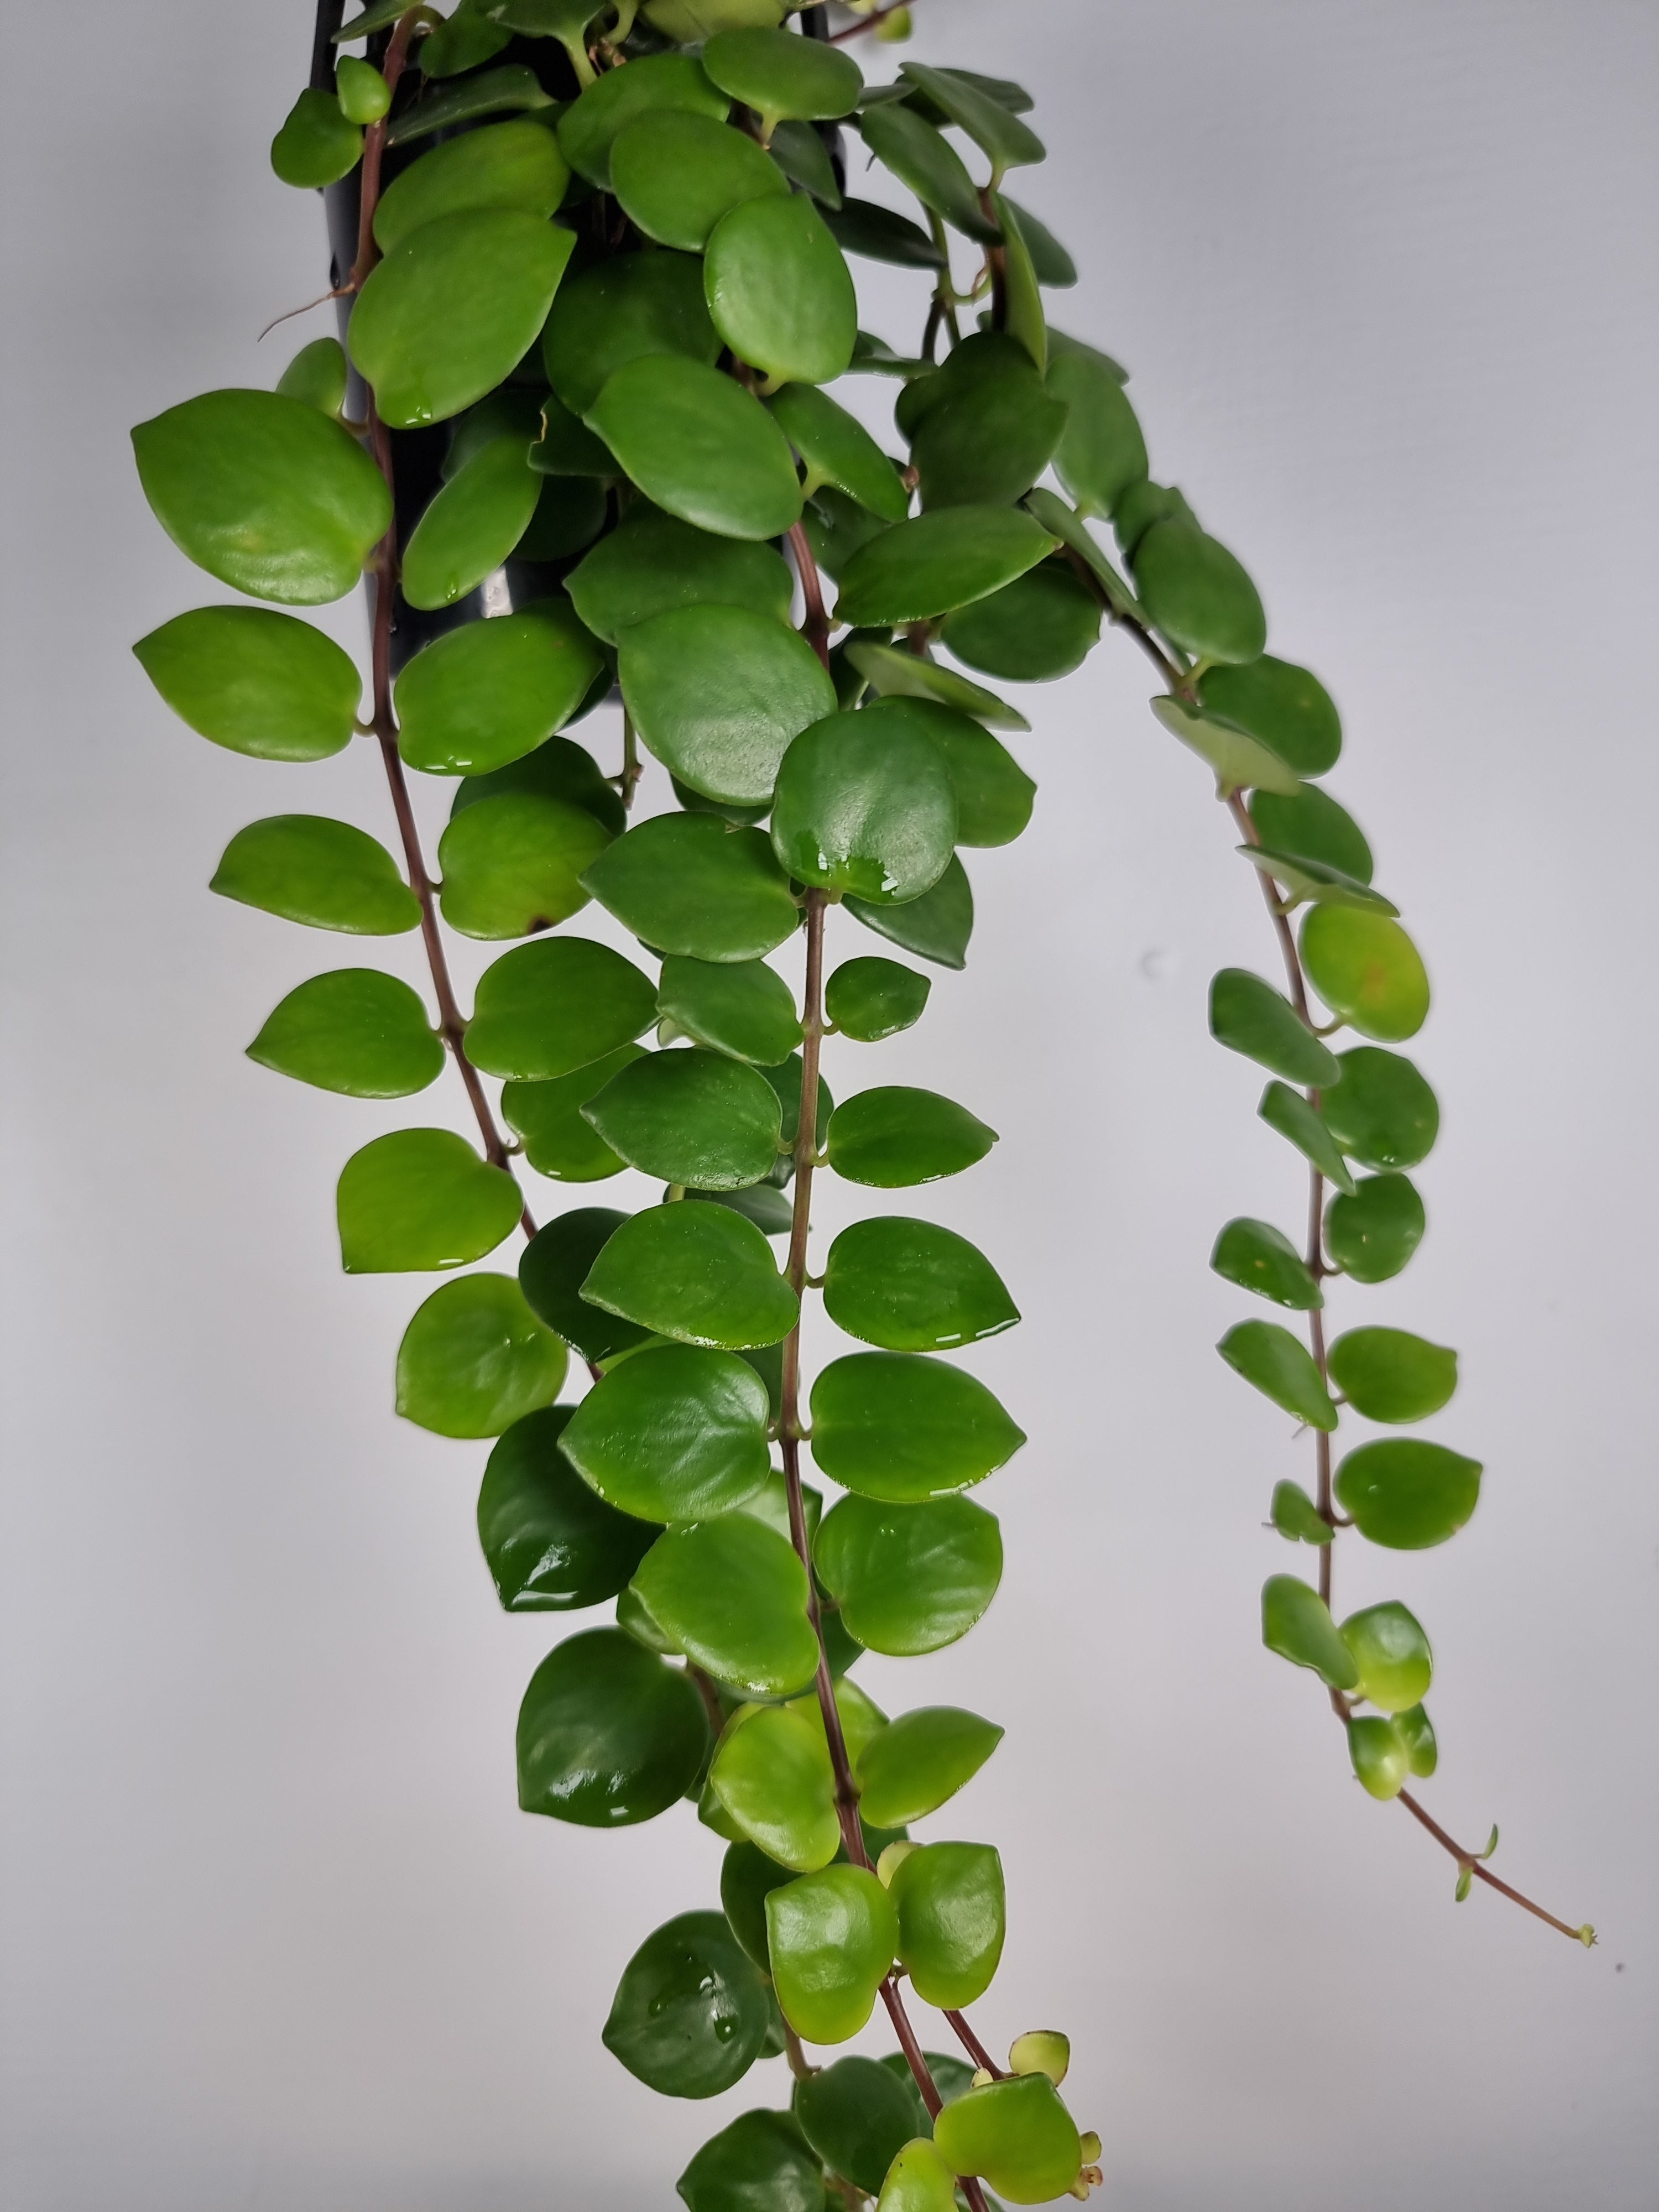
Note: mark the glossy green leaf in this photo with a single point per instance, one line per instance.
(694, 1118)
(546, 1009)
(766, 1205)
(1389, 1374)
(1373, 1233)
(1406, 1494)
(255, 681)
(779, 291)
(868, 999)
(857, 2118)
(1296, 1623)
(732, 1594)
(589, 129)
(1259, 1257)
(636, 306)
(673, 1433)
(904, 1429)
(552, 1269)
(1043, 625)
(363, 92)
(1000, 135)
(1310, 824)
(780, 74)
(512, 865)
(742, 1008)
(718, 693)
(1289, 1113)
(952, 1919)
(838, 450)
(761, 2163)
(865, 803)
(461, 43)
(489, 92)
(507, 165)
(915, 153)
(833, 1936)
(1381, 1761)
(912, 1287)
(919, 1760)
(786, 1080)
(1383, 1113)
(1392, 1653)
(937, 562)
(894, 1136)
(1016, 2133)
(557, 768)
(1303, 880)
(609, 1735)
(935, 926)
(316, 145)
(1296, 1517)
(918, 2180)
(676, 174)
(861, 1720)
(547, 1118)
(799, 151)
(475, 1359)
(1416, 1732)
(1240, 762)
(698, 446)
(419, 1198)
(317, 374)
(993, 793)
(1196, 592)
(771, 1771)
(951, 2077)
(700, 1274)
(653, 563)
(452, 307)
(563, 445)
(748, 1875)
(551, 1545)
(863, 227)
(1053, 512)
(891, 670)
(356, 1031)
(989, 428)
(514, 411)
(264, 493)
(1250, 1017)
(1286, 707)
(489, 692)
(1102, 452)
(691, 2012)
(909, 1578)
(1367, 971)
(1271, 1359)
(323, 873)
(473, 523)
(687, 885)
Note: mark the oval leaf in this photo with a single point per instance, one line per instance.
(686, 884)
(691, 2014)
(909, 1578)
(698, 446)
(551, 1545)
(904, 1429)
(718, 692)
(733, 1595)
(255, 681)
(326, 874)
(865, 803)
(1408, 1495)
(921, 1759)
(609, 1735)
(475, 1359)
(545, 1010)
(356, 1031)
(700, 1274)
(912, 1287)
(893, 1137)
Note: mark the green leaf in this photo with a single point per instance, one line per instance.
(1310, 826)
(512, 865)
(761, 2163)
(893, 671)
(919, 1760)
(1367, 971)
(799, 151)
(857, 2118)
(771, 1771)
(1270, 1358)
(1416, 1732)
(1382, 1113)
(718, 693)
(863, 227)
(564, 20)
(694, 1118)
(786, 1080)
(1289, 1113)
(1296, 1517)
(1373, 1233)
(316, 145)
(993, 793)
(838, 450)
(472, 523)
(462, 43)
(934, 562)
(489, 692)
(1239, 761)
(1389, 1374)
(1286, 707)
(1392, 1653)
(563, 447)
(952, 1919)
(1408, 1495)
(691, 2014)
(609, 1735)
(419, 1198)
(1017, 2134)
(686, 884)
(983, 428)
(552, 1269)
(1296, 1623)
(779, 292)
(1197, 593)
(550, 1544)
(1102, 452)
(742, 1008)
(653, 563)
(675, 175)
(914, 152)
(547, 1009)
(952, 2078)
(833, 1937)
(557, 768)
(909, 1578)
(1250, 1017)
(491, 92)
(868, 1000)
(1381, 1761)
(698, 446)
(379, 15)
(892, 1138)
(264, 493)
(780, 73)
(548, 1117)
(1259, 1257)
(1043, 625)
(256, 682)
(1006, 141)
(865, 803)
(326, 874)
(912, 1287)
(1052, 512)
(356, 1031)
(903, 1429)
(475, 1359)
(363, 92)
(732, 1594)
(1051, 265)
(700, 1274)
(1308, 880)
(636, 306)
(507, 165)
(317, 374)
(589, 128)
(935, 926)
(747, 1877)
(919, 2180)
(452, 307)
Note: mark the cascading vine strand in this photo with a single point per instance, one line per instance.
(598, 283)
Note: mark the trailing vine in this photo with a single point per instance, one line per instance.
(594, 276)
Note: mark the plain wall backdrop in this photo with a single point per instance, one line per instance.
(274, 1935)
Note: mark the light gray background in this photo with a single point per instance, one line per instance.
(274, 1935)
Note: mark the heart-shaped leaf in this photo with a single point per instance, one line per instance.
(1296, 1623)
(356, 1031)
(545, 1010)
(419, 1198)
(718, 693)
(742, 1008)
(1389, 1375)
(909, 1578)
(865, 803)
(1259, 1257)
(779, 74)
(868, 1000)
(554, 1267)
(894, 1137)
(1392, 1653)
(919, 1760)
(317, 144)
(691, 2014)
(1371, 1234)
(489, 692)
(700, 1274)
(771, 1771)
(512, 865)
(935, 926)
(693, 1118)
(609, 1735)
(1367, 971)
(904, 1429)
(653, 563)
(1406, 1494)
(550, 1543)
(475, 1359)
(914, 1286)
(952, 1919)
(326, 874)
(732, 1594)
(1017, 2134)
(833, 1936)
(762, 2158)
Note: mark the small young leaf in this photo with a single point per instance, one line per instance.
(868, 1000)
(1270, 1358)
(317, 144)
(475, 1359)
(1381, 1759)
(1392, 1653)
(1417, 1733)
(1296, 1517)
(317, 374)
(1259, 1257)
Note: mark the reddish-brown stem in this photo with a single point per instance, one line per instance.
(971, 2044)
(1468, 1860)
(815, 627)
(868, 23)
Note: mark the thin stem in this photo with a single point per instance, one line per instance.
(868, 23)
(1467, 1860)
(971, 2044)
(800, 2064)
(815, 626)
